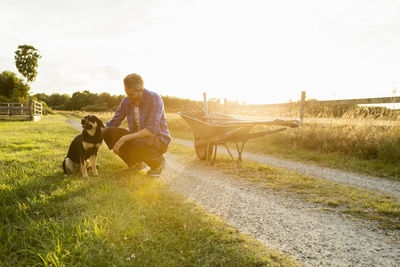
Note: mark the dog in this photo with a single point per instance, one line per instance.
(84, 146)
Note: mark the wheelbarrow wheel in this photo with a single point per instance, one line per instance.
(201, 150)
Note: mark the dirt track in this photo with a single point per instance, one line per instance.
(310, 235)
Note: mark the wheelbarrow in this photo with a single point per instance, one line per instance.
(220, 129)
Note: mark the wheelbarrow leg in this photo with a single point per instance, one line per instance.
(211, 158)
(240, 152)
(215, 154)
(230, 154)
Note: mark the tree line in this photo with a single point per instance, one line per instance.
(87, 101)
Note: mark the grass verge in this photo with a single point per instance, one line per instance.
(383, 209)
(116, 219)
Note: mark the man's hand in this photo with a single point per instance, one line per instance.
(129, 137)
(118, 144)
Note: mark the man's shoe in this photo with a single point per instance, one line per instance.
(141, 166)
(137, 166)
(157, 171)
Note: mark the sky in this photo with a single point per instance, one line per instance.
(253, 51)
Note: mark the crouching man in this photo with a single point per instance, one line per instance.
(148, 136)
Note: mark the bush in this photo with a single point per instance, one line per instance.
(12, 88)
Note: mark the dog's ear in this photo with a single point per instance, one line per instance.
(100, 123)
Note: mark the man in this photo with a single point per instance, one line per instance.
(148, 136)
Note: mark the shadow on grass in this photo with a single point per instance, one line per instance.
(39, 194)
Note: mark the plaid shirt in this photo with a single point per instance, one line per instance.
(151, 116)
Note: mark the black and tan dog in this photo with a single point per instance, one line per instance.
(84, 146)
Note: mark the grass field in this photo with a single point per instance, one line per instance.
(116, 219)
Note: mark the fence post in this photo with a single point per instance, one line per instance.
(31, 109)
(302, 103)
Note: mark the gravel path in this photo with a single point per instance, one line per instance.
(303, 230)
(358, 180)
(76, 124)
(310, 235)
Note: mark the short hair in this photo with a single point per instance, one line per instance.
(133, 81)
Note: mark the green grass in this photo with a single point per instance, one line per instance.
(118, 218)
(364, 148)
(383, 209)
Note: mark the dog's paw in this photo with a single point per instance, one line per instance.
(96, 174)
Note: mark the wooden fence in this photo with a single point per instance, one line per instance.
(358, 101)
(21, 111)
(303, 104)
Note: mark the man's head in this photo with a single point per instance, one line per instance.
(133, 87)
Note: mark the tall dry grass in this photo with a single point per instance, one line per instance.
(362, 132)
(365, 137)
(360, 138)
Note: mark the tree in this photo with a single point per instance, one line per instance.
(57, 101)
(26, 61)
(79, 100)
(12, 88)
(42, 97)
